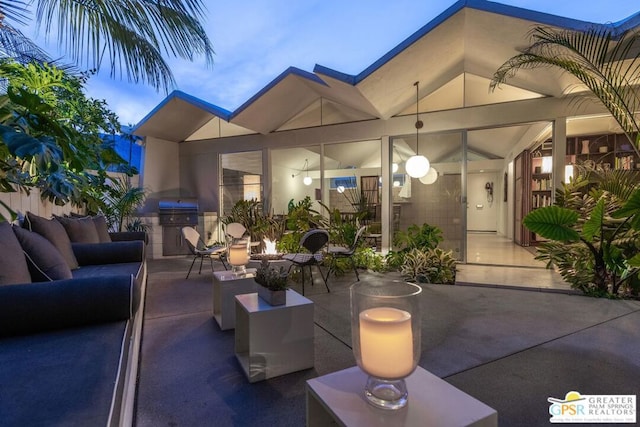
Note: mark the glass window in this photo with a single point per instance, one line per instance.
(241, 178)
(295, 174)
(436, 198)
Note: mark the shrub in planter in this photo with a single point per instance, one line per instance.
(272, 283)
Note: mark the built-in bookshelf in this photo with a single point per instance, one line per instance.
(605, 151)
(541, 190)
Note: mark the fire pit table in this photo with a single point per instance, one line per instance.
(275, 261)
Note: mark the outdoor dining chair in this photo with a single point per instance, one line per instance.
(338, 252)
(313, 241)
(199, 250)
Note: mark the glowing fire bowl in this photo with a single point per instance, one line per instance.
(270, 253)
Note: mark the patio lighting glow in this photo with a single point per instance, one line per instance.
(269, 247)
(430, 177)
(417, 166)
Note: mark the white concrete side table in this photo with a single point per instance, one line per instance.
(226, 286)
(274, 340)
(338, 399)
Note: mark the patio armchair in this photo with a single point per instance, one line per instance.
(338, 252)
(199, 249)
(313, 241)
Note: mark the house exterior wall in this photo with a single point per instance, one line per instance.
(161, 172)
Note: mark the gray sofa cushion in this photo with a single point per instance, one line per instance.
(69, 377)
(101, 227)
(38, 307)
(44, 260)
(55, 233)
(80, 230)
(13, 264)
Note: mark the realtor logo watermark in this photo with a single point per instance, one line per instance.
(583, 408)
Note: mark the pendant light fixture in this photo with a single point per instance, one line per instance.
(307, 179)
(417, 166)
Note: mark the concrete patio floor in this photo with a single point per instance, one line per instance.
(509, 348)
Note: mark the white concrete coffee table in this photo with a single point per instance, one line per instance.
(274, 340)
(226, 286)
(338, 399)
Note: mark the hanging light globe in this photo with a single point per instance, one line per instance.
(417, 166)
(307, 180)
(430, 177)
(394, 167)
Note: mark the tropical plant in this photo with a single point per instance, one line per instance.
(431, 265)
(361, 202)
(250, 213)
(120, 203)
(594, 236)
(366, 257)
(50, 134)
(606, 61)
(301, 216)
(132, 36)
(416, 237)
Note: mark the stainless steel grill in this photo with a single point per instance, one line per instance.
(178, 212)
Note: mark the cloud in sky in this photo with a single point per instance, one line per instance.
(256, 40)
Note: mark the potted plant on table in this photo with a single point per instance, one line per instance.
(272, 283)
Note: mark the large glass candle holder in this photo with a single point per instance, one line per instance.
(238, 254)
(385, 332)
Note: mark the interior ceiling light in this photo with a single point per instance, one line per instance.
(417, 166)
(394, 167)
(307, 179)
(430, 177)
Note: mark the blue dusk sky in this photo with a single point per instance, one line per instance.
(256, 40)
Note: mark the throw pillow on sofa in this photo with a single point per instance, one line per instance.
(13, 264)
(55, 233)
(44, 260)
(80, 230)
(101, 227)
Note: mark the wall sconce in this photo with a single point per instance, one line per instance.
(417, 166)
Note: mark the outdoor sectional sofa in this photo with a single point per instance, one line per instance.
(69, 335)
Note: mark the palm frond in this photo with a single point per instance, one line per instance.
(14, 44)
(14, 10)
(607, 63)
(130, 35)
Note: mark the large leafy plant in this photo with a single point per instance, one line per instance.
(50, 134)
(431, 265)
(594, 232)
(421, 237)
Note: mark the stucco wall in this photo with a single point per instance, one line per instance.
(161, 172)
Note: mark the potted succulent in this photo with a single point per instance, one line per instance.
(272, 283)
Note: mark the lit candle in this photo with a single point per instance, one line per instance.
(238, 255)
(386, 342)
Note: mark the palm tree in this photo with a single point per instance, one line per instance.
(594, 236)
(132, 35)
(604, 60)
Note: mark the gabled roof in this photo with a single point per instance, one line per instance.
(472, 37)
